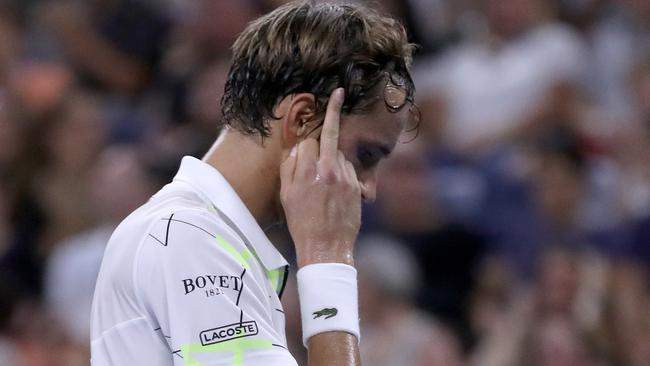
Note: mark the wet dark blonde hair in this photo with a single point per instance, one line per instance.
(305, 47)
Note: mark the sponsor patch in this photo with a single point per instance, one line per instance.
(228, 332)
(212, 285)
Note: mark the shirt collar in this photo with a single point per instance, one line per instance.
(209, 181)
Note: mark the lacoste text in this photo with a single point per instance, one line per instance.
(228, 332)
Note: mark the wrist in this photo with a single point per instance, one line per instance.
(328, 297)
(315, 253)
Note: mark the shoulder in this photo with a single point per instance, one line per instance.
(176, 221)
(183, 250)
(189, 237)
(167, 235)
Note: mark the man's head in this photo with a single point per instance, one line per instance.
(287, 63)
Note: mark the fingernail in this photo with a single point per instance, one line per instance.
(340, 95)
(294, 150)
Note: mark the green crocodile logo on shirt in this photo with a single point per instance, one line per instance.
(327, 313)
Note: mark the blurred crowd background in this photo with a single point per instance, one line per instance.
(514, 230)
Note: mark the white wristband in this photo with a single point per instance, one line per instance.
(328, 299)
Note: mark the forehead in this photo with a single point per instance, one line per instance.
(379, 124)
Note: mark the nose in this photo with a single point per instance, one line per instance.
(369, 189)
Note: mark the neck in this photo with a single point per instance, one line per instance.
(251, 169)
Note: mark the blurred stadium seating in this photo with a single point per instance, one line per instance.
(514, 231)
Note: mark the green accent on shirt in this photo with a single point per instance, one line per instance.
(241, 257)
(236, 346)
(274, 278)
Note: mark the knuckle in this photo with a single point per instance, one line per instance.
(330, 176)
(306, 174)
(308, 170)
(325, 165)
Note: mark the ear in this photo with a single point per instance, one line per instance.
(298, 117)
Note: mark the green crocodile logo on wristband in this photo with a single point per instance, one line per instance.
(327, 313)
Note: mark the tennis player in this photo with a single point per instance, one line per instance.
(317, 95)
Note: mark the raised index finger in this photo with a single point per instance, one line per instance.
(329, 137)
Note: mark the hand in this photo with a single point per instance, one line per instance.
(321, 195)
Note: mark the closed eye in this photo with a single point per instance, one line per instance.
(369, 157)
(366, 158)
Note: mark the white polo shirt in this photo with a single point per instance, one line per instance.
(190, 278)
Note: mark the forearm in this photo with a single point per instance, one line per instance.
(334, 348)
(337, 348)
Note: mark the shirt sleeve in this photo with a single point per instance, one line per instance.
(198, 288)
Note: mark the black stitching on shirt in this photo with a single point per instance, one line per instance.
(284, 281)
(158, 240)
(190, 224)
(169, 221)
(242, 286)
